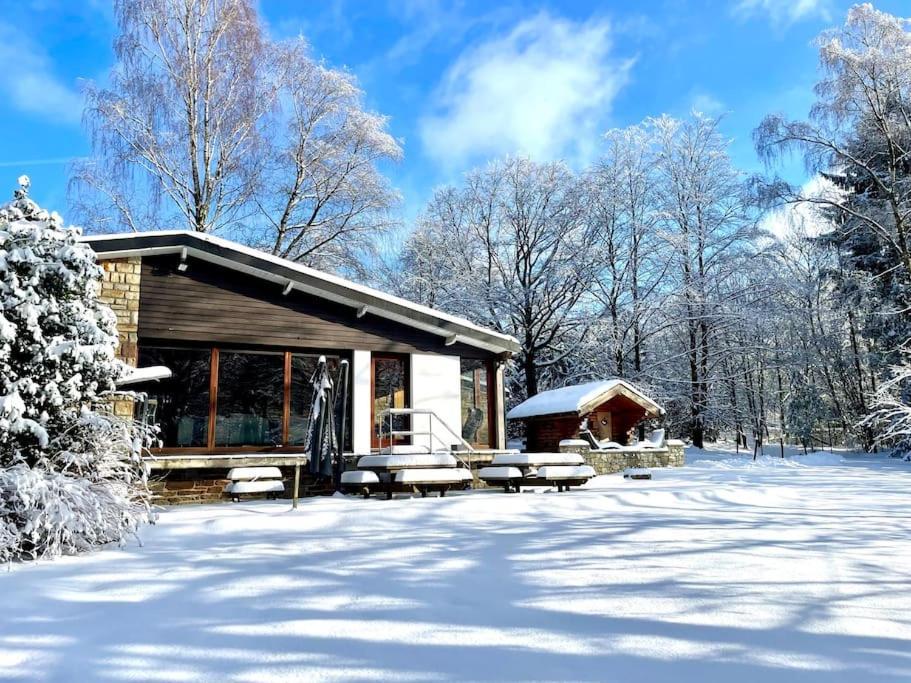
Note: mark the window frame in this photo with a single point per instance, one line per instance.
(489, 367)
(210, 448)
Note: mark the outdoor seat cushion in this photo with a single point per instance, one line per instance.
(254, 473)
(536, 459)
(431, 476)
(499, 473)
(262, 486)
(360, 477)
(406, 460)
(563, 472)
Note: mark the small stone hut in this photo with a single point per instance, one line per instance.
(611, 409)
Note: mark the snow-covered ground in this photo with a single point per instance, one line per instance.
(725, 570)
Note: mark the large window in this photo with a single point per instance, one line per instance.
(179, 405)
(475, 389)
(250, 399)
(260, 399)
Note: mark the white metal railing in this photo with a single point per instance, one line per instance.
(386, 430)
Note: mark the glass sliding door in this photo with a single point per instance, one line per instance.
(301, 398)
(179, 405)
(250, 399)
(476, 402)
(390, 390)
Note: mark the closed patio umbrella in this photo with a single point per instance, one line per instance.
(321, 432)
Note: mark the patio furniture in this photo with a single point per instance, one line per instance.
(564, 476)
(249, 480)
(655, 440)
(515, 470)
(636, 473)
(598, 445)
(360, 481)
(440, 479)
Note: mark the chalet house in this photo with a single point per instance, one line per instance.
(610, 409)
(241, 331)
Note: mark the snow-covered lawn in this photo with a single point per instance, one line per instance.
(719, 571)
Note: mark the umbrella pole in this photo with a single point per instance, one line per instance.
(342, 387)
(297, 481)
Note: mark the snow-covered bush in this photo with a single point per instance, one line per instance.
(890, 416)
(71, 474)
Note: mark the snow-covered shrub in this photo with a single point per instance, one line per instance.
(71, 475)
(890, 416)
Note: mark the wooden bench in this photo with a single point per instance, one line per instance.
(360, 481)
(440, 479)
(249, 480)
(514, 471)
(636, 473)
(564, 476)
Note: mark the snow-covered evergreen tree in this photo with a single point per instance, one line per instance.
(71, 476)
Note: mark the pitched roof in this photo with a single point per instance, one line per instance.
(302, 278)
(581, 399)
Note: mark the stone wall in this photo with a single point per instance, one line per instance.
(120, 290)
(179, 487)
(607, 462)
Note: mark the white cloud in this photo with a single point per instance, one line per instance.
(544, 89)
(29, 83)
(707, 104)
(784, 12)
(802, 220)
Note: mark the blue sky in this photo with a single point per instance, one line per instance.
(460, 81)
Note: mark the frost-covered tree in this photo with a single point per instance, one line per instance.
(859, 137)
(321, 197)
(891, 410)
(208, 124)
(70, 473)
(508, 249)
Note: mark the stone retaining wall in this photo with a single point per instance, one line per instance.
(607, 462)
(179, 487)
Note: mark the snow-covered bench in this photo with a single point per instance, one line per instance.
(360, 481)
(249, 480)
(439, 479)
(564, 476)
(636, 473)
(401, 461)
(507, 477)
(515, 470)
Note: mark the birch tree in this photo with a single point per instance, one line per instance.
(176, 132)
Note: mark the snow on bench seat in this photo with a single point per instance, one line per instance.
(636, 473)
(536, 459)
(259, 486)
(254, 473)
(564, 472)
(433, 476)
(361, 477)
(403, 449)
(499, 473)
(403, 461)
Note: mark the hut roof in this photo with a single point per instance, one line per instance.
(582, 399)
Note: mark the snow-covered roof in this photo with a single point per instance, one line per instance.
(581, 399)
(137, 375)
(301, 278)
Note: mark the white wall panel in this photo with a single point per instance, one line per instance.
(361, 401)
(435, 386)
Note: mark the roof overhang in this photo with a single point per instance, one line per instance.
(627, 391)
(293, 276)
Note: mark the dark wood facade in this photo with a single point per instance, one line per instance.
(612, 420)
(215, 305)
